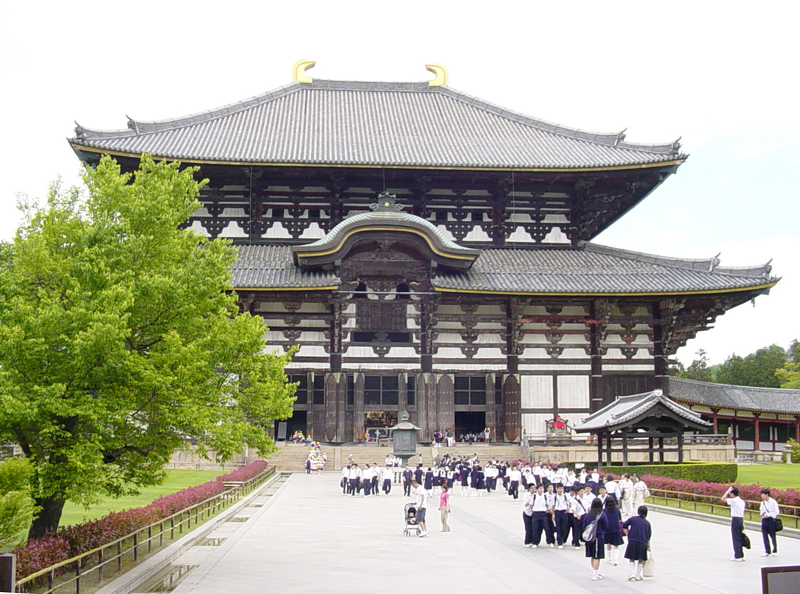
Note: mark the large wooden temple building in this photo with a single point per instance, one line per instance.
(432, 252)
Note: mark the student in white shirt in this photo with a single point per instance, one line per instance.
(731, 497)
(769, 513)
(366, 480)
(514, 477)
(388, 474)
(420, 502)
(541, 519)
(527, 514)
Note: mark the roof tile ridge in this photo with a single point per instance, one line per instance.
(612, 139)
(142, 127)
(723, 386)
(709, 265)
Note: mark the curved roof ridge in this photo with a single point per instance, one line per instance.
(138, 127)
(699, 264)
(607, 138)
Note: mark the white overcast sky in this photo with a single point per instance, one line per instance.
(721, 75)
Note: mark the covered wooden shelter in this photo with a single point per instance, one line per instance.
(629, 420)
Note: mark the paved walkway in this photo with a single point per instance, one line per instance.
(308, 537)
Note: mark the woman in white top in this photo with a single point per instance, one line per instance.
(640, 492)
(769, 513)
(625, 487)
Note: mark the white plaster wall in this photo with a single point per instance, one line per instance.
(552, 367)
(555, 235)
(535, 423)
(537, 391)
(276, 231)
(233, 230)
(467, 366)
(520, 236)
(198, 228)
(311, 351)
(313, 232)
(573, 391)
(477, 234)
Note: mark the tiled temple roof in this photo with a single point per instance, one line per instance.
(625, 410)
(773, 400)
(374, 124)
(587, 269)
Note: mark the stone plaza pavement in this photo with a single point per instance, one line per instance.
(308, 537)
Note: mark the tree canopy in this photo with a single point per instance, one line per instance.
(789, 374)
(121, 339)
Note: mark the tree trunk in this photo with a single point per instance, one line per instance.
(49, 517)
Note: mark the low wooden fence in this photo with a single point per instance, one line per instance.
(109, 557)
(790, 514)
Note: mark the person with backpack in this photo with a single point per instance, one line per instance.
(595, 525)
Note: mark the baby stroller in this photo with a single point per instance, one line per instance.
(410, 519)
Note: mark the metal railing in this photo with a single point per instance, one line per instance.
(110, 556)
(790, 514)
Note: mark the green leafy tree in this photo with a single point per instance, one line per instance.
(699, 369)
(121, 340)
(789, 374)
(17, 508)
(756, 369)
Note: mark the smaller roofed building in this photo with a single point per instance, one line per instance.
(623, 425)
(757, 419)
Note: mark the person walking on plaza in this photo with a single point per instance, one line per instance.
(420, 502)
(731, 497)
(514, 477)
(640, 492)
(625, 496)
(613, 536)
(639, 534)
(444, 507)
(407, 475)
(527, 514)
(769, 511)
(594, 547)
(387, 473)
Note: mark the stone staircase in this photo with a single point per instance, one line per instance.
(292, 458)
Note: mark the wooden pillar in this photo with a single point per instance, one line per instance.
(651, 447)
(600, 450)
(756, 439)
(680, 446)
(445, 400)
(624, 447)
(511, 407)
(797, 428)
(714, 419)
(358, 408)
(660, 366)
(427, 323)
(335, 400)
(596, 359)
(661, 449)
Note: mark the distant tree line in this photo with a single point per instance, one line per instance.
(768, 367)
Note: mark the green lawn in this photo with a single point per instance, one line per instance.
(774, 476)
(176, 480)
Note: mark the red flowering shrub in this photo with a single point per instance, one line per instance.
(71, 541)
(746, 492)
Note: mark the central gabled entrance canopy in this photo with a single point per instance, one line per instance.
(386, 222)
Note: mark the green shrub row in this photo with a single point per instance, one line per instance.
(710, 472)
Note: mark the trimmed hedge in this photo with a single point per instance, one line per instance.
(709, 472)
